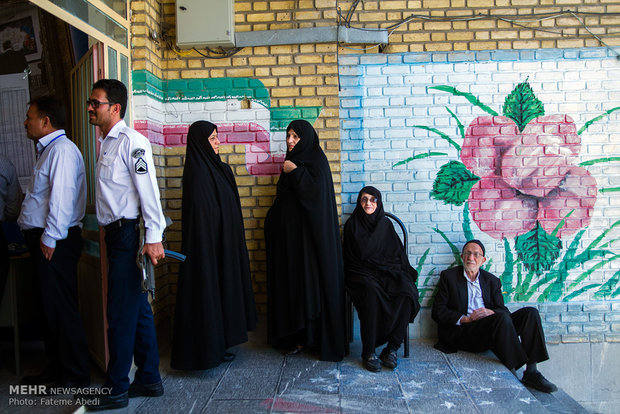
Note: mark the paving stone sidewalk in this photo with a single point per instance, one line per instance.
(262, 380)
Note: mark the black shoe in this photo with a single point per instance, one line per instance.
(109, 402)
(388, 358)
(47, 377)
(538, 382)
(146, 390)
(228, 357)
(371, 363)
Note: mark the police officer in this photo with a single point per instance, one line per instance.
(50, 220)
(126, 188)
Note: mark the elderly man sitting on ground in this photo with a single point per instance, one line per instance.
(469, 309)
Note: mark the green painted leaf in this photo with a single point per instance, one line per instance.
(521, 105)
(433, 295)
(430, 273)
(561, 223)
(585, 256)
(608, 287)
(458, 123)
(609, 190)
(558, 273)
(595, 119)
(523, 291)
(453, 183)
(609, 243)
(588, 272)
(441, 134)
(467, 222)
(488, 264)
(421, 262)
(580, 291)
(455, 250)
(470, 97)
(417, 157)
(601, 236)
(519, 288)
(598, 161)
(538, 250)
(506, 276)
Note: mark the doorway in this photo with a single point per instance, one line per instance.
(61, 49)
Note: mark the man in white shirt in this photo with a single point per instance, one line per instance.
(126, 189)
(470, 312)
(50, 220)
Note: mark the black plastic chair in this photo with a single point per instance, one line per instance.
(349, 302)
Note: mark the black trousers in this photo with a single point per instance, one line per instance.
(131, 327)
(516, 338)
(65, 339)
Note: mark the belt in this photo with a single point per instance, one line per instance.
(120, 223)
(37, 231)
(33, 231)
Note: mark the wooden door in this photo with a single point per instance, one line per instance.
(92, 268)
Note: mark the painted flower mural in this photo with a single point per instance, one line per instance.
(519, 178)
(527, 177)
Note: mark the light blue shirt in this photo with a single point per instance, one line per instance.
(56, 196)
(474, 295)
(126, 181)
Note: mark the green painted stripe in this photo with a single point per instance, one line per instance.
(281, 117)
(219, 89)
(200, 89)
(599, 160)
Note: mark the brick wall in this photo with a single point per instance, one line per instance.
(146, 51)
(306, 76)
(420, 126)
(299, 81)
(453, 25)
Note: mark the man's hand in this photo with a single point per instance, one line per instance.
(48, 252)
(155, 251)
(288, 166)
(477, 314)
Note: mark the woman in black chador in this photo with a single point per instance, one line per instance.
(304, 257)
(379, 279)
(215, 303)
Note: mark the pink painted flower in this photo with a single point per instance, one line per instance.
(527, 176)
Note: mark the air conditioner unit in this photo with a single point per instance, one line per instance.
(203, 23)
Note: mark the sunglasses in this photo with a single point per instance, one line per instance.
(365, 200)
(95, 103)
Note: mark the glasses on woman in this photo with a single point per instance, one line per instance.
(366, 200)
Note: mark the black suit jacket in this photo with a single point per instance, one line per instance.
(451, 300)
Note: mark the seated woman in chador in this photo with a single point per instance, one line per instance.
(379, 279)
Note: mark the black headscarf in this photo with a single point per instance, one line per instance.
(304, 257)
(373, 253)
(369, 221)
(215, 302)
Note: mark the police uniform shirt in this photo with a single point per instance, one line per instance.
(56, 196)
(126, 181)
